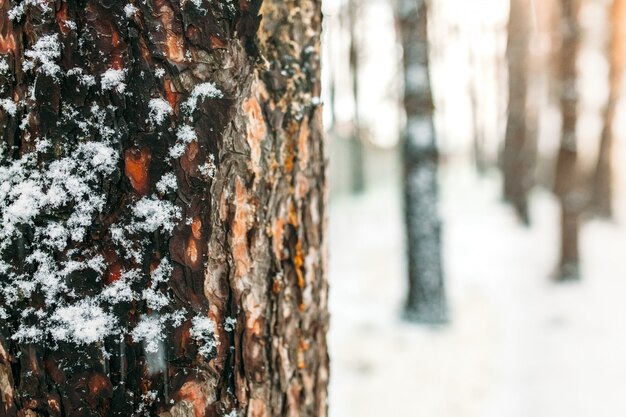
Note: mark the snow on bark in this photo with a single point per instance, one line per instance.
(129, 207)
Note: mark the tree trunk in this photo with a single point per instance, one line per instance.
(518, 153)
(603, 180)
(566, 186)
(162, 202)
(357, 154)
(426, 300)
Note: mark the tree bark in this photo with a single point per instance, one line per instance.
(566, 184)
(519, 144)
(426, 301)
(602, 197)
(357, 151)
(162, 199)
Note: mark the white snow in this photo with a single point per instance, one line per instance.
(168, 182)
(43, 55)
(203, 331)
(113, 79)
(159, 110)
(518, 345)
(200, 92)
(130, 10)
(151, 214)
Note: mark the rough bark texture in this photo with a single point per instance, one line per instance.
(167, 158)
(426, 300)
(603, 178)
(566, 184)
(519, 144)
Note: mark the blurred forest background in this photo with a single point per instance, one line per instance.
(520, 308)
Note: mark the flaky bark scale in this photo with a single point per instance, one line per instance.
(248, 249)
(426, 300)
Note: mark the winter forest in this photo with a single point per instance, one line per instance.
(311, 208)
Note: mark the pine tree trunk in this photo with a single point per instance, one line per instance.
(426, 300)
(603, 179)
(162, 201)
(357, 151)
(566, 186)
(518, 153)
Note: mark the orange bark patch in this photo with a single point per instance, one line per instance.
(191, 254)
(170, 95)
(298, 262)
(303, 144)
(99, 384)
(240, 231)
(193, 392)
(136, 165)
(174, 45)
(196, 228)
(277, 237)
(255, 131)
(61, 17)
(217, 43)
(257, 408)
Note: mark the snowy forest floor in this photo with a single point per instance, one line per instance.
(518, 345)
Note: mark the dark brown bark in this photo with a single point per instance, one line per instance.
(426, 300)
(168, 155)
(566, 184)
(602, 197)
(519, 143)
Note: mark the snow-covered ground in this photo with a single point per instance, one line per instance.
(518, 344)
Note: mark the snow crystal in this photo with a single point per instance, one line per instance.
(46, 50)
(208, 169)
(113, 79)
(159, 109)
(150, 331)
(203, 331)
(177, 150)
(200, 92)
(8, 105)
(82, 323)
(151, 214)
(229, 324)
(186, 134)
(159, 72)
(84, 79)
(167, 183)
(130, 10)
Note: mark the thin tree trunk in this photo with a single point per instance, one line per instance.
(162, 201)
(426, 300)
(478, 140)
(566, 186)
(603, 180)
(518, 154)
(357, 154)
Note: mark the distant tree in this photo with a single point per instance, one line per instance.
(566, 184)
(357, 151)
(162, 201)
(518, 157)
(426, 300)
(602, 193)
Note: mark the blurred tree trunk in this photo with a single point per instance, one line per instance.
(519, 144)
(478, 140)
(426, 300)
(357, 155)
(566, 184)
(603, 179)
(162, 195)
